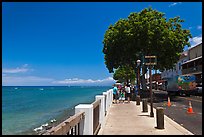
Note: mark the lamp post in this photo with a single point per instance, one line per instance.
(138, 75)
(150, 75)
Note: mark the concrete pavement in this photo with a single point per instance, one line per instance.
(128, 119)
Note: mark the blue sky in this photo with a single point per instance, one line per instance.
(61, 43)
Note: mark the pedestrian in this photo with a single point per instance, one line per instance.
(119, 93)
(127, 90)
(123, 96)
(120, 96)
(115, 94)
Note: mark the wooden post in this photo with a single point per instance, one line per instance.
(138, 100)
(160, 117)
(144, 105)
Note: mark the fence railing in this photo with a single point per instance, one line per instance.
(96, 124)
(71, 126)
(105, 102)
(88, 118)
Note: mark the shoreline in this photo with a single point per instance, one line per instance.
(59, 118)
(66, 113)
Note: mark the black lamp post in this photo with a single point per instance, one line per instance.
(138, 75)
(150, 75)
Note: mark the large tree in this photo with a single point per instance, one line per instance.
(149, 33)
(145, 33)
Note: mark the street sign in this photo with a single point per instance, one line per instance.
(148, 64)
(150, 60)
(150, 57)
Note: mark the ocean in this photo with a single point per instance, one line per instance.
(25, 108)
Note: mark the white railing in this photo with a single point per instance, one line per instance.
(88, 118)
(105, 102)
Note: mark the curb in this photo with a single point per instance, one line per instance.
(174, 124)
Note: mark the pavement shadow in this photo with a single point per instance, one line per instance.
(146, 115)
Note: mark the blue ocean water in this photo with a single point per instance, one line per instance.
(25, 108)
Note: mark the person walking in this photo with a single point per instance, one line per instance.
(123, 96)
(115, 94)
(128, 92)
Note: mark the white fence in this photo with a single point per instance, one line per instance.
(105, 102)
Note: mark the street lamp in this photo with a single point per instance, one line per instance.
(138, 75)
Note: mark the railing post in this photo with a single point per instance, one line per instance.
(109, 98)
(87, 127)
(144, 105)
(106, 100)
(138, 100)
(101, 108)
(111, 92)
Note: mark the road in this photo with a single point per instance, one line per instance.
(178, 110)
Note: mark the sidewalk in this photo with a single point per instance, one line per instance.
(128, 119)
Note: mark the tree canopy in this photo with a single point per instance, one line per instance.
(145, 33)
(124, 74)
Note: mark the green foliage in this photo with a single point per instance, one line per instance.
(147, 32)
(124, 73)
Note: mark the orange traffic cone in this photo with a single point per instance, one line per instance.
(190, 109)
(169, 103)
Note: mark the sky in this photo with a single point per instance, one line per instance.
(60, 43)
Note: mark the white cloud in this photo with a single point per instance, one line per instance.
(175, 3)
(77, 81)
(25, 81)
(195, 40)
(199, 27)
(42, 81)
(8, 79)
(16, 70)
